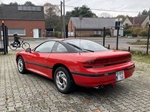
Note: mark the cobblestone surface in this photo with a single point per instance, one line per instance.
(34, 93)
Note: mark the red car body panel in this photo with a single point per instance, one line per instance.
(43, 63)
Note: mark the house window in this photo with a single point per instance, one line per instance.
(97, 32)
(29, 8)
(19, 31)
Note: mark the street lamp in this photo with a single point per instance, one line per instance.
(117, 27)
(63, 18)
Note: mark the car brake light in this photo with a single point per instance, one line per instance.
(95, 63)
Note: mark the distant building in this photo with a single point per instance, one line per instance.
(26, 21)
(141, 21)
(90, 26)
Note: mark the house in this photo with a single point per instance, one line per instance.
(26, 21)
(141, 21)
(90, 26)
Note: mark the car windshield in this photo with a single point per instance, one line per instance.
(85, 45)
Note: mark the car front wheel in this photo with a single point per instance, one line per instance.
(21, 65)
(63, 80)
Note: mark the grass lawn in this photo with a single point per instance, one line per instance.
(145, 59)
(140, 56)
(139, 42)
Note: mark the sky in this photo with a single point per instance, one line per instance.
(102, 8)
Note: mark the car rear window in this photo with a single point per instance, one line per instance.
(87, 45)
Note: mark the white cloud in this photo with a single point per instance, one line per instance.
(113, 7)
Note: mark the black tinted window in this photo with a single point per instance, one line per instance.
(85, 45)
(45, 47)
(60, 48)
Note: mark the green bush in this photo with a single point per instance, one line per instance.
(143, 32)
(136, 31)
(58, 34)
(95, 35)
(134, 35)
(107, 33)
(136, 52)
(127, 32)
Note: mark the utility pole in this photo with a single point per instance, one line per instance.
(64, 23)
(61, 19)
(104, 35)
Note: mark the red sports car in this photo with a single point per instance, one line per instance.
(71, 62)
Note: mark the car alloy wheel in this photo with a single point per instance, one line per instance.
(63, 80)
(21, 65)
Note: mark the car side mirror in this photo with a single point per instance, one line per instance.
(28, 50)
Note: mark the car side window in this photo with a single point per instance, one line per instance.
(61, 48)
(46, 47)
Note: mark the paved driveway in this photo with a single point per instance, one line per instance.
(34, 93)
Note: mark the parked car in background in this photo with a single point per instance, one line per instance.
(71, 62)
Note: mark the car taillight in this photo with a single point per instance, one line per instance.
(95, 63)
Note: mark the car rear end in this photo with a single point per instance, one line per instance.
(102, 68)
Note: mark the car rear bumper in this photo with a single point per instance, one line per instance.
(94, 80)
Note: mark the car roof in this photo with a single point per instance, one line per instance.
(63, 39)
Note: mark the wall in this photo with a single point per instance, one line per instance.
(28, 25)
(127, 21)
(71, 30)
(84, 33)
(87, 33)
(145, 22)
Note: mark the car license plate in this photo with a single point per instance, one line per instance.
(120, 75)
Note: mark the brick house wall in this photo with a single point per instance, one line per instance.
(84, 33)
(79, 32)
(26, 21)
(27, 25)
(91, 26)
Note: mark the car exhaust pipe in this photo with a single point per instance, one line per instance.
(100, 87)
(113, 85)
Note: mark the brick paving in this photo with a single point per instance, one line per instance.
(34, 93)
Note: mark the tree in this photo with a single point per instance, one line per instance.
(83, 11)
(52, 18)
(2, 4)
(13, 3)
(52, 10)
(53, 22)
(144, 12)
(67, 17)
(122, 17)
(29, 3)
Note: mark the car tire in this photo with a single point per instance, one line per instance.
(21, 65)
(63, 80)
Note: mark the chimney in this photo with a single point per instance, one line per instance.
(133, 21)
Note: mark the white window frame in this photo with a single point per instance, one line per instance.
(15, 31)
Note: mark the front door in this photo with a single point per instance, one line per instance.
(35, 33)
